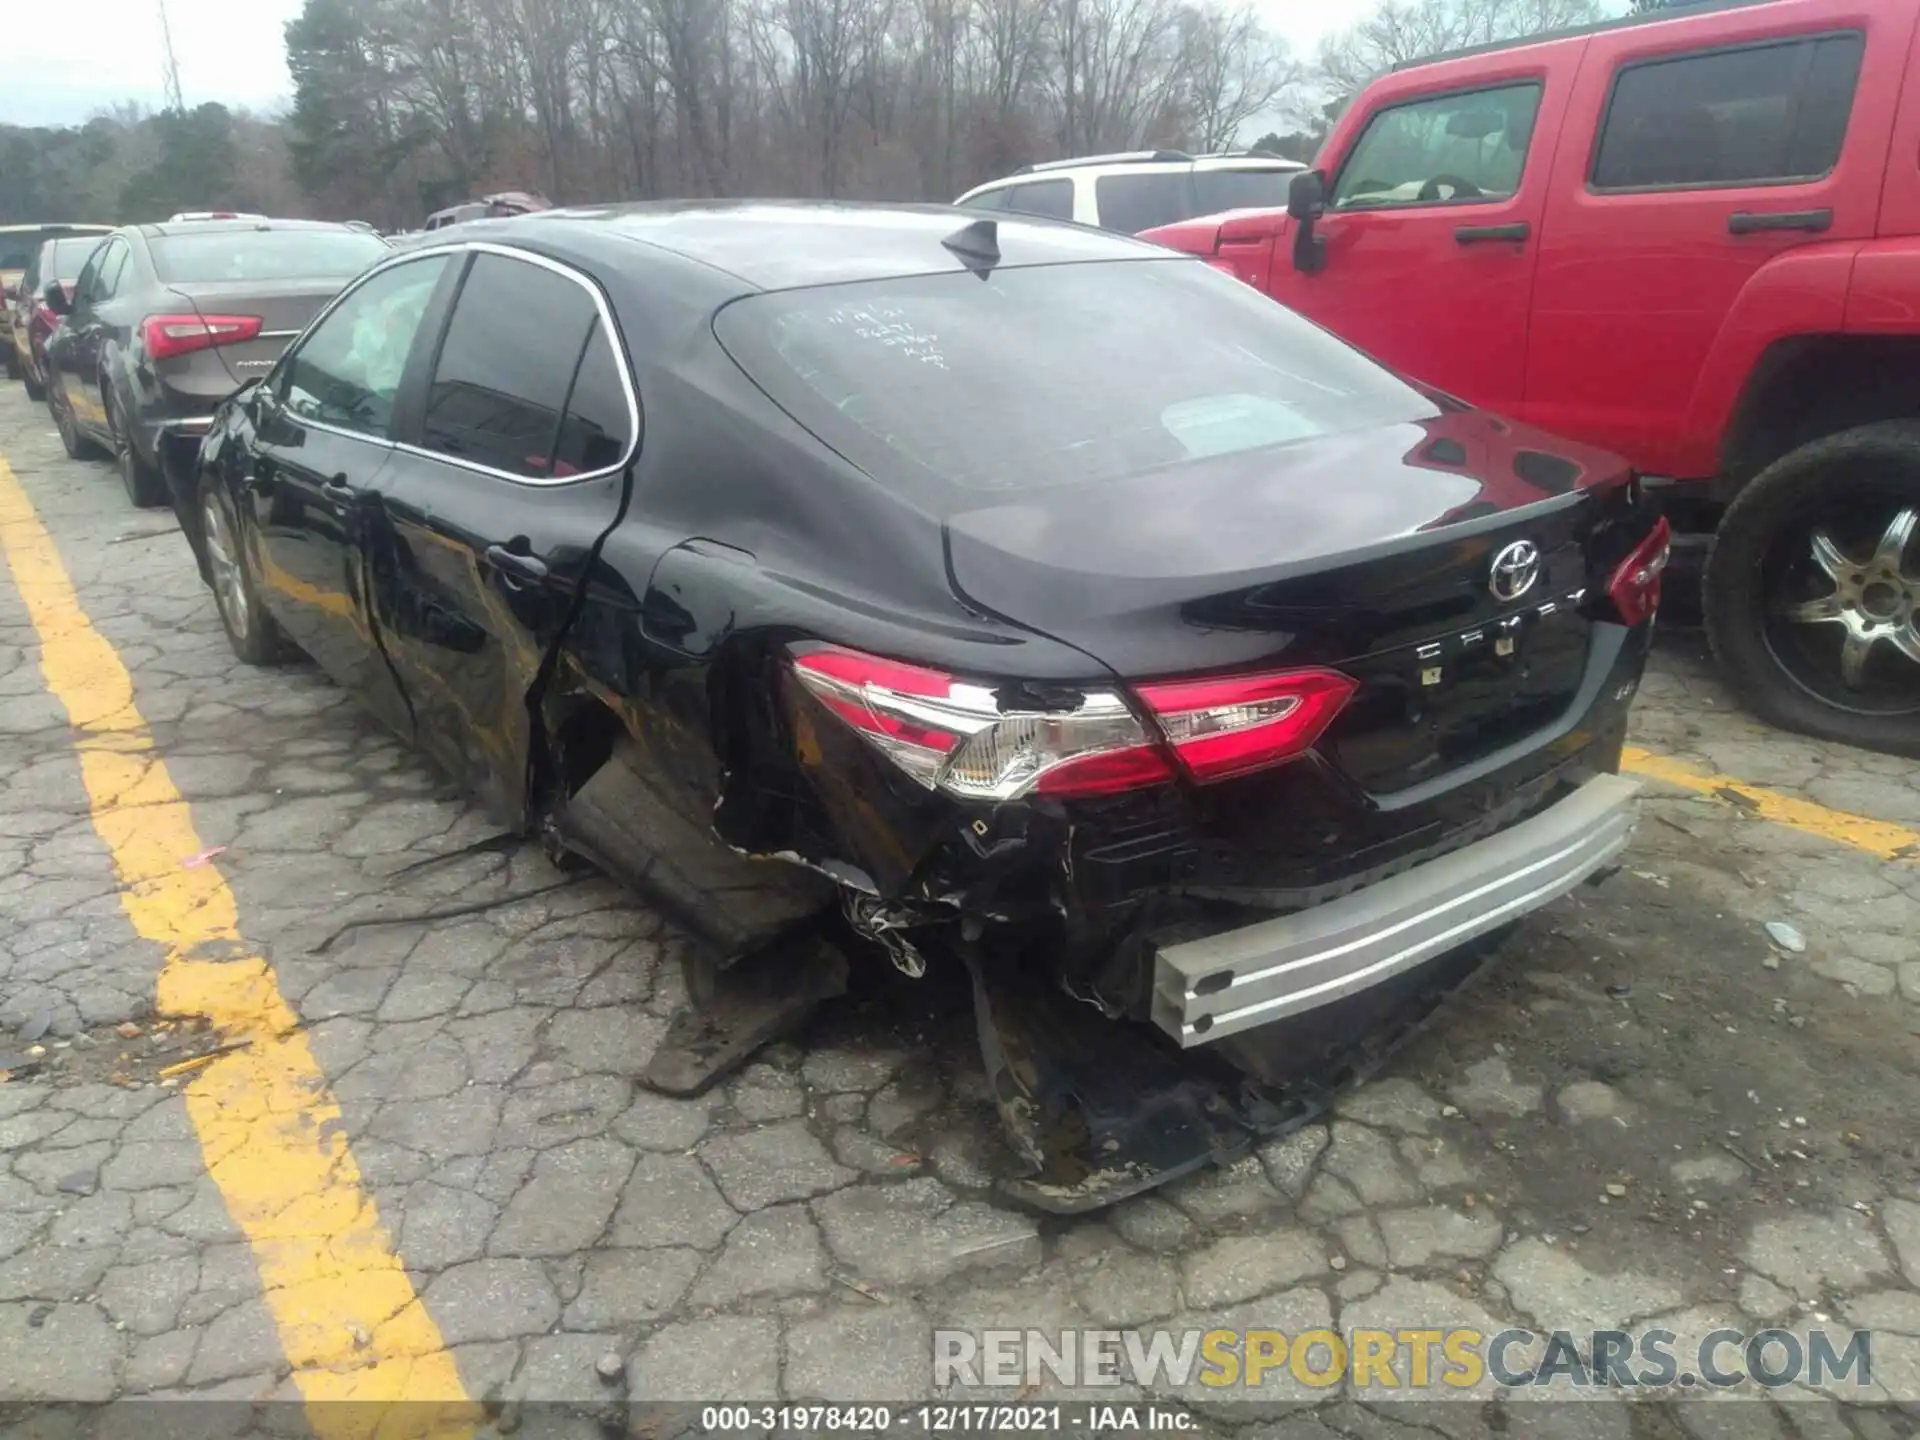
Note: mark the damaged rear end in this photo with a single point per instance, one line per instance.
(1350, 676)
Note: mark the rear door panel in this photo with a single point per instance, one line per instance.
(482, 530)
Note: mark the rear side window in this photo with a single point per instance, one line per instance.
(1050, 198)
(1756, 116)
(597, 427)
(1459, 149)
(507, 365)
(1217, 190)
(1132, 203)
(264, 255)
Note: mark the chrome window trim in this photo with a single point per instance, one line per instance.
(510, 252)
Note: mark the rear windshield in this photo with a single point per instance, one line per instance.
(18, 248)
(1055, 374)
(265, 255)
(70, 255)
(1219, 190)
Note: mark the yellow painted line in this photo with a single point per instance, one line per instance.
(1876, 837)
(349, 1321)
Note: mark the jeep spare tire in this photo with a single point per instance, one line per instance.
(1812, 589)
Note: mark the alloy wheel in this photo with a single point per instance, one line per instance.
(1855, 640)
(223, 560)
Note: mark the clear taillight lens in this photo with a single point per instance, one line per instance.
(952, 735)
(1635, 586)
(949, 734)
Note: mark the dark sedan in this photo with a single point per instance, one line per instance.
(167, 320)
(1029, 606)
(58, 263)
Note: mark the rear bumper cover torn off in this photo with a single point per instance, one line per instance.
(1223, 984)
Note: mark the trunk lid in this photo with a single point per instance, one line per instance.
(1370, 552)
(284, 308)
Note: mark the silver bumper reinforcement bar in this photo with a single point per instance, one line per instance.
(1206, 989)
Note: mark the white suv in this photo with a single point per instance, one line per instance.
(1141, 189)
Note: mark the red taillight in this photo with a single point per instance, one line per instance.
(168, 335)
(952, 734)
(1635, 586)
(1240, 723)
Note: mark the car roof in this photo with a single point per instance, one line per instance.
(71, 227)
(1141, 164)
(222, 227)
(779, 245)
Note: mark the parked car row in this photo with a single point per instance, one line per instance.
(133, 336)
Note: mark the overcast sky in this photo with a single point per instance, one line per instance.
(59, 74)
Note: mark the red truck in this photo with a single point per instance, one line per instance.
(1692, 237)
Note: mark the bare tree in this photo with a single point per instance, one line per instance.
(1235, 69)
(1401, 30)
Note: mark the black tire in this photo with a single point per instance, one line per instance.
(255, 635)
(146, 487)
(77, 445)
(13, 361)
(36, 389)
(1780, 616)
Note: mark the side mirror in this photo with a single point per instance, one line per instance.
(1306, 203)
(1307, 196)
(54, 297)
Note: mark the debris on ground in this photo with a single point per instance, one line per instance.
(1786, 937)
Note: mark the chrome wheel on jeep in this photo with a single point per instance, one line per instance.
(1843, 612)
(1874, 601)
(1812, 589)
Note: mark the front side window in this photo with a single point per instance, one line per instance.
(1132, 203)
(507, 365)
(1076, 374)
(1050, 198)
(106, 273)
(1457, 149)
(347, 372)
(1763, 115)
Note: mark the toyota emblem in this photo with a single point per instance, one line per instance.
(1514, 570)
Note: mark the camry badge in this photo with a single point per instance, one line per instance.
(1514, 570)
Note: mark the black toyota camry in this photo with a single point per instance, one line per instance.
(1020, 603)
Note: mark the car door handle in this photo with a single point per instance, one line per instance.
(1474, 234)
(521, 567)
(1748, 222)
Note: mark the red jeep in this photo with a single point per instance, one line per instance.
(1692, 237)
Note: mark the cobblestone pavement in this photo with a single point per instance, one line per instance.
(1649, 1114)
